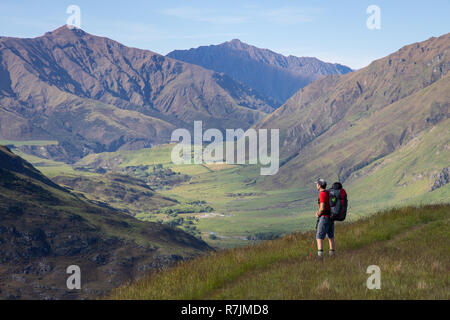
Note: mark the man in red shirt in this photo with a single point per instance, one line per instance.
(325, 226)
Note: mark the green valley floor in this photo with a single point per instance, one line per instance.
(241, 210)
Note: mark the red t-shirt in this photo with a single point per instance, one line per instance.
(324, 198)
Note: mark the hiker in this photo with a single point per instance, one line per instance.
(325, 225)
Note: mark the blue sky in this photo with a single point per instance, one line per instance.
(334, 31)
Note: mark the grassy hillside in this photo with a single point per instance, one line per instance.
(407, 175)
(409, 245)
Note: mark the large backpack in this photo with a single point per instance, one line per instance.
(338, 202)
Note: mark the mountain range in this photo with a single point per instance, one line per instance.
(272, 74)
(93, 94)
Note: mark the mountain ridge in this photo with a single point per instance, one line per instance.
(273, 74)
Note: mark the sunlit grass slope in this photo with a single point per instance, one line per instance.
(406, 175)
(409, 244)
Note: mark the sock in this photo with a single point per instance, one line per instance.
(320, 253)
(331, 252)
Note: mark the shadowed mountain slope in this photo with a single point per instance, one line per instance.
(45, 228)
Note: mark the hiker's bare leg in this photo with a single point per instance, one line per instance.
(331, 242)
(319, 244)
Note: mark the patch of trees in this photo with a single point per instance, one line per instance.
(156, 176)
(264, 236)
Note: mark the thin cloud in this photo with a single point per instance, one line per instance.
(289, 15)
(211, 35)
(134, 31)
(204, 15)
(281, 15)
(38, 27)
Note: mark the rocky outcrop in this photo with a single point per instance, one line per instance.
(441, 179)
